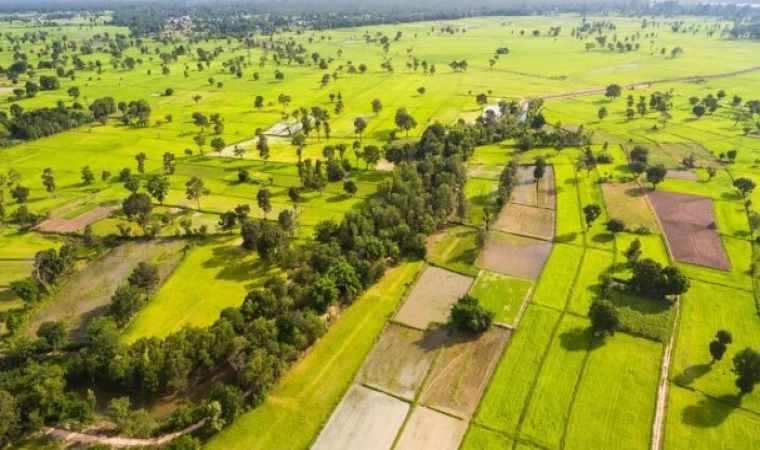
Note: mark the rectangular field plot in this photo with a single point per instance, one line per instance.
(462, 372)
(569, 228)
(705, 309)
(696, 422)
(454, 249)
(553, 288)
(431, 430)
(627, 202)
(527, 193)
(364, 419)
(549, 406)
(690, 226)
(400, 360)
(652, 246)
(587, 286)
(513, 255)
(614, 406)
(432, 297)
(500, 294)
(527, 221)
(510, 387)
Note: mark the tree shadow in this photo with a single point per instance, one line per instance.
(730, 196)
(709, 413)
(337, 198)
(432, 339)
(692, 373)
(603, 238)
(567, 237)
(634, 192)
(580, 340)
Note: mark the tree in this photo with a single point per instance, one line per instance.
(371, 155)
(744, 185)
(294, 194)
(421, 90)
(53, 335)
(604, 318)
(263, 198)
(20, 194)
(195, 189)
(200, 141)
(263, 147)
(218, 144)
(404, 120)
(359, 126)
(468, 315)
(74, 92)
(481, 99)
(377, 106)
(591, 213)
(48, 180)
(633, 252)
(613, 91)
(138, 207)
(158, 187)
(602, 113)
(132, 184)
(87, 176)
(720, 344)
(699, 110)
(656, 174)
(141, 158)
(747, 369)
(259, 102)
(615, 226)
(350, 188)
(9, 416)
(144, 276)
(287, 221)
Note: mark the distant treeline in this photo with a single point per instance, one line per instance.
(236, 17)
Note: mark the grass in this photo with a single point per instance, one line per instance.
(569, 228)
(696, 422)
(547, 412)
(478, 438)
(553, 288)
(217, 274)
(500, 294)
(652, 246)
(740, 276)
(587, 287)
(292, 415)
(707, 308)
(643, 317)
(481, 194)
(505, 399)
(455, 249)
(614, 406)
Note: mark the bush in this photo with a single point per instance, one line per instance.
(604, 317)
(468, 315)
(615, 226)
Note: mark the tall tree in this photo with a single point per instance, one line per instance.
(195, 189)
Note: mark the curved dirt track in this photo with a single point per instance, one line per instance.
(593, 91)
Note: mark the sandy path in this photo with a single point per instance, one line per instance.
(658, 427)
(72, 438)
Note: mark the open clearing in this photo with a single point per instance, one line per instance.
(432, 297)
(689, 224)
(526, 221)
(364, 419)
(500, 294)
(401, 359)
(63, 225)
(431, 430)
(627, 202)
(87, 293)
(513, 255)
(463, 371)
(528, 192)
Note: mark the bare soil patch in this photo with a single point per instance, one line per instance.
(87, 294)
(431, 430)
(432, 297)
(627, 202)
(463, 372)
(400, 360)
(526, 192)
(513, 255)
(527, 221)
(682, 175)
(61, 225)
(365, 419)
(690, 227)
(283, 129)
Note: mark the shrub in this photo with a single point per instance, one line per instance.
(468, 315)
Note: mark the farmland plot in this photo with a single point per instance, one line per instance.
(432, 297)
